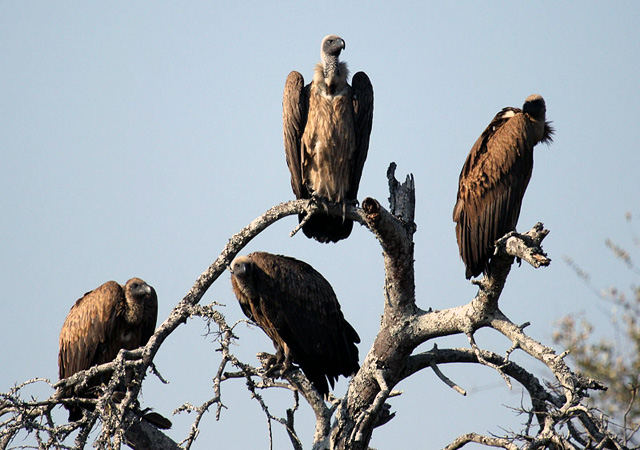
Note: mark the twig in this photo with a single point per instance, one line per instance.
(483, 361)
(446, 380)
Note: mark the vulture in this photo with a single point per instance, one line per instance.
(103, 321)
(297, 308)
(494, 178)
(326, 128)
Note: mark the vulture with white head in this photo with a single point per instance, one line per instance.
(326, 127)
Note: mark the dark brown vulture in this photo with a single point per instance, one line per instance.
(105, 320)
(326, 125)
(494, 178)
(297, 308)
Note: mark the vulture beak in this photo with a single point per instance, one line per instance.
(144, 289)
(141, 289)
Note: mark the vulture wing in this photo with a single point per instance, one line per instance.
(150, 318)
(85, 335)
(363, 113)
(295, 105)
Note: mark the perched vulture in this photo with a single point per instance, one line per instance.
(326, 126)
(297, 308)
(103, 321)
(494, 178)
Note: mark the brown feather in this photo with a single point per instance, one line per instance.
(294, 117)
(363, 111)
(100, 324)
(493, 181)
(326, 128)
(297, 308)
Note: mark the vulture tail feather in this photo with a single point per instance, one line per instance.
(327, 229)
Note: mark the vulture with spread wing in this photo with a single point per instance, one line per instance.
(297, 308)
(105, 320)
(326, 125)
(494, 178)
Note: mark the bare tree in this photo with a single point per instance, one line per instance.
(558, 417)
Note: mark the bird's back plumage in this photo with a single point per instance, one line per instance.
(493, 181)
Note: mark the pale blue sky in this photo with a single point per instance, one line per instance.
(137, 137)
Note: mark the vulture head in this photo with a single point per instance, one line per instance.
(535, 108)
(332, 45)
(137, 293)
(241, 269)
(330, 49)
